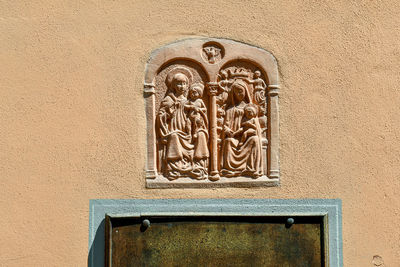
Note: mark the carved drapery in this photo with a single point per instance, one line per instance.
(212, 115)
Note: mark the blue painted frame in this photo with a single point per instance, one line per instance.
(331, 209)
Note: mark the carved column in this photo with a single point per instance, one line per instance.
(273, 93)
(213, 91)
(151, 164)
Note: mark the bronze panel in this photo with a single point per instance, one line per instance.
(215, 241)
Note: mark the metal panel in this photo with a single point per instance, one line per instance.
(215, 241)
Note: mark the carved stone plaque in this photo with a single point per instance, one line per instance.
(212, 115)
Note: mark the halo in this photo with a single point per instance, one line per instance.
(176, 70)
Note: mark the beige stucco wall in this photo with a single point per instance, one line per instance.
(72, 120)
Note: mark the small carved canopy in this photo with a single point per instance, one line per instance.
(187, 130)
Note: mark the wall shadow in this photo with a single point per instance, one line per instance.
(96, 251)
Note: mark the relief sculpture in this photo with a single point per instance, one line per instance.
(183, 128)
(212, 124)
(241, 133)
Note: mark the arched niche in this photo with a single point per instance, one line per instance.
(205, 58)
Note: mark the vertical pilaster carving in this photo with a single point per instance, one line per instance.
(213, 91)
(273, 93)
(151, 163)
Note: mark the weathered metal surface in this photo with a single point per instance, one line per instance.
(216, 241)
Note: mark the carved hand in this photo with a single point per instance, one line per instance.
(228, 131)
(238, 132)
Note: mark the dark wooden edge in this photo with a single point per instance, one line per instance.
(108, 242)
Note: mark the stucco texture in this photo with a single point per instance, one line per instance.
(73, 128)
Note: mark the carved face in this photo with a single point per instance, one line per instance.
(239, 92)
(194, 92)
(257, 74)
(250, 112)
(180, 83)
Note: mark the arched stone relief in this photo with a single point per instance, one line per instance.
(212, 115)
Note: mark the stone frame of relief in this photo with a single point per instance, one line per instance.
(212, 115)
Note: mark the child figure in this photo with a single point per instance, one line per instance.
(197, 115)
(258, 82)
(220, 118)
(223, 85)
(259, 90)
(198, 123)
(249, 125)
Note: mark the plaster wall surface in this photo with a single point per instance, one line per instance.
(72, 114)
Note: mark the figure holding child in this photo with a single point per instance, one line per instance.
(241, 145)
